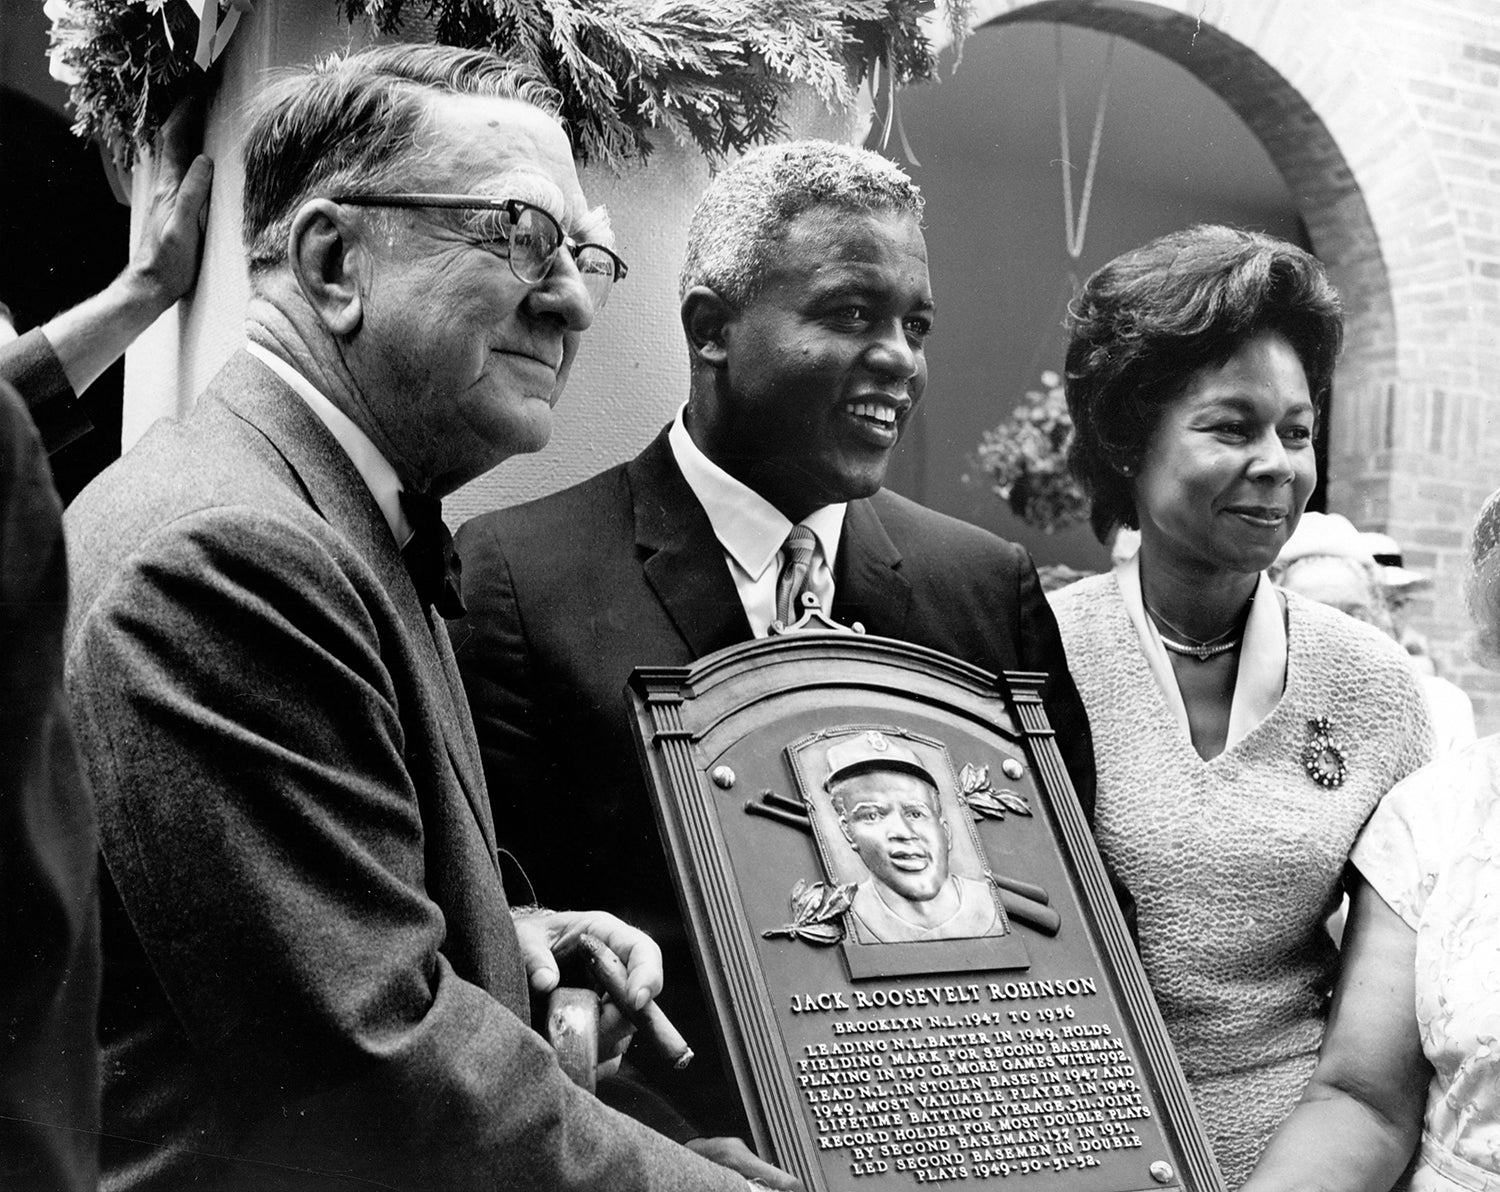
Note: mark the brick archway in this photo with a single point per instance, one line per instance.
(1339, 123)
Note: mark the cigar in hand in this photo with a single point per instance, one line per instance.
(609, 971)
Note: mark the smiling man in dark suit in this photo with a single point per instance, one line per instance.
(312, 974)
(806, 306)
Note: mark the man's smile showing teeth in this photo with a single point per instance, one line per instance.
(883, 414)
(911, 862)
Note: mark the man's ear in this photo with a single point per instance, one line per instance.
(843, 817)
(705, 319)
(326, 259)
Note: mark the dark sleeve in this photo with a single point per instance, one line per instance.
(49, 944)
(505, 701)
(30, 364)
(1041, 649)
(540, 744)
(247, 741)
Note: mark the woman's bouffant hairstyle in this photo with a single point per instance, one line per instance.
(1151, 318)
(1482, 583)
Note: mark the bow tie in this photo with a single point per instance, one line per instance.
(431, 561)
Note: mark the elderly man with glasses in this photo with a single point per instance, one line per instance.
(312, 976)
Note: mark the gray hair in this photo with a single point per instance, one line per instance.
(356, 121)
(747, 208)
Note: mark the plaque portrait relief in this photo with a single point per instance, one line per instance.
(895, 838)
(918, 969)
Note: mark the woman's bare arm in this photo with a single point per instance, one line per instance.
(1360, 1117)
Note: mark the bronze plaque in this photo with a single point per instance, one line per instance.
(918, 968)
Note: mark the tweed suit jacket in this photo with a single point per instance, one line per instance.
(311, 977)
(568, 594)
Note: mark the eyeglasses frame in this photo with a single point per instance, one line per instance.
(510, 207)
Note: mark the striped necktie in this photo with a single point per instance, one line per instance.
(796, 561)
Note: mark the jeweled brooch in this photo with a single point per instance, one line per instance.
(1321, 758)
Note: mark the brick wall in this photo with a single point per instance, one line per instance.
(1384, 118)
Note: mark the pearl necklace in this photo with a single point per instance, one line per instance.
(1197, 651)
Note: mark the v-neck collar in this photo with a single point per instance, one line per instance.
(1261, 675)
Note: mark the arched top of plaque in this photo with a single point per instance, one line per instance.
(816, 652)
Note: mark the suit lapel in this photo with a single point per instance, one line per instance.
(867, 584)
(442, 678)
(334, 487)
(683, 560)
(468, 739)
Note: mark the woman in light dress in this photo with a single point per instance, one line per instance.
(1411, 1057)
(1242, 737)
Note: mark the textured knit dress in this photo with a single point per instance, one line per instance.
(1236, 862)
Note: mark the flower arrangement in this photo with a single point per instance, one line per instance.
(128, 62)
(1025, 459)
(713, 73)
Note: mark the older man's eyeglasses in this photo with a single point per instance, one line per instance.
(529, 235)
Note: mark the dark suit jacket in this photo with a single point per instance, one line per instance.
(49, 922)
(311, 977)
(568, 594)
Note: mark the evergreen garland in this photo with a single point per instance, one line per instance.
(713, 73)
(125, 73)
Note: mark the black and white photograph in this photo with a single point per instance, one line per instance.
(388, 390)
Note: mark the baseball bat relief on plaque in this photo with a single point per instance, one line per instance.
(919, 970)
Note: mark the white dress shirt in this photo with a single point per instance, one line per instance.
(376, 471)
(752, 532)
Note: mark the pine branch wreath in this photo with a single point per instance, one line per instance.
(712, 73)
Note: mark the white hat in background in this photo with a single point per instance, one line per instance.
(1325, 534)
(1394, 575)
